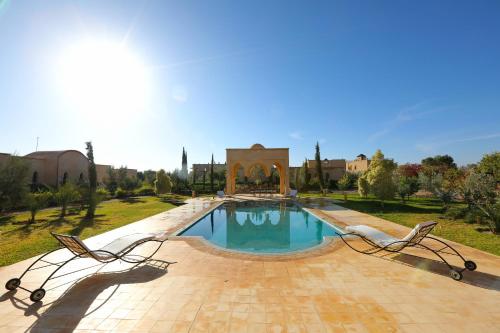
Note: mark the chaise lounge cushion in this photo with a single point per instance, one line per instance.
(376, 236)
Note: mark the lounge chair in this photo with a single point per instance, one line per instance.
(221, 194)
(380, 241)
(119, 249)
(293, 193)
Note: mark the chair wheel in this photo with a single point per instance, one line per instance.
(12, 284)
(470, 265)
(37, 295)
(457, 276)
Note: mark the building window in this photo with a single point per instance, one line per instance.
(80, 179)
(65, 178)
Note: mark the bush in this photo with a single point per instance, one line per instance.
(66, 194)
(474, 216)
(121, 193)
(456, 213)
(102, 194)
(36, 201)
(145, 190)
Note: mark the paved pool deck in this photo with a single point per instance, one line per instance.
(329, 289)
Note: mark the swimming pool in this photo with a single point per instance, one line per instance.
(261, 227)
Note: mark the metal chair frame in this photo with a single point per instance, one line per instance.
(39, 293)
(376, 248)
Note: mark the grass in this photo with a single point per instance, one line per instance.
(21, 240)
(420, 210)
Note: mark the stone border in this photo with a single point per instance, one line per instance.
(326, 246)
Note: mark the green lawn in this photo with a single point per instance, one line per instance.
(420, 210)
(20, 240)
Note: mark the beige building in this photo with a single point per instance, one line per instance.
(198, 169)
(335, 169)
(360, 164)
(53, 168)
(257, 155)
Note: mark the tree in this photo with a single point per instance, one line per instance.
(37, 201)
(184, 169)
(13, 182)
(409, 170)
(319, 170)
(481, 189)
(298, 182)
(380, 177)
(363, 186)
(111, 182)
(445, 186)
(490, 164)
(344, 184)
(406, 180)
(212, 174)
(66, 194)
(92, 195)
(163, 183)
(438, 164)
(306, 174)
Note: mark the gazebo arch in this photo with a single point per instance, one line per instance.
(247, 158)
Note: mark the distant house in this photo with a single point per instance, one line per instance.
(334, 169)
(360, 164)
(53, 168)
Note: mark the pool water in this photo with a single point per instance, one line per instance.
(261, 227)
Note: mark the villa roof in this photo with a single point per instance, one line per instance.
(50, 154)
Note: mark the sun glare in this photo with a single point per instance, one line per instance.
(103, 78)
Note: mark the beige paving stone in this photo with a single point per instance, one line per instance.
(330, 289)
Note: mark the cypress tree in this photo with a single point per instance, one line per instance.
(212, 174)
(319, 170)
(307, 175)
(92, 181)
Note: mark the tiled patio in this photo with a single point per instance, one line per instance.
(331, 289)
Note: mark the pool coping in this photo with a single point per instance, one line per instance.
(200, 243)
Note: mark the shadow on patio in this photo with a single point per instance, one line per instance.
(475, 278)
(79, 301)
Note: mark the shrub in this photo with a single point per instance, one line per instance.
(456, 213)
(121, 193)
(473, 216)
(102, 194)
(37, 201)
(13, 182)
(163, 183)
(66, 194)
(145, 190)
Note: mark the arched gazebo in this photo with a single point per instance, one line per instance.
(248, 158)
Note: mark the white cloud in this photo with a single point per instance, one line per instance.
(432, 146)
(406, 115)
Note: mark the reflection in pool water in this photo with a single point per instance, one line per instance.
(261, 227)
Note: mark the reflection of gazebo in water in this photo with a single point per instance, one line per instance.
(257, 230)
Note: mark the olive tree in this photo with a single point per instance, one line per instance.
(481, 189)
(344, 184)
(163, 184)
(67, 194)
(363, 186)
(13, 182)
(35, 202)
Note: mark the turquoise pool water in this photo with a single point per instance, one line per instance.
(261, 227)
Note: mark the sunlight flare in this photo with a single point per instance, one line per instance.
(103, 78)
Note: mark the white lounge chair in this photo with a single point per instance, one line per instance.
(380, 241)
(293, 193)
(220, 194)
(118, 249)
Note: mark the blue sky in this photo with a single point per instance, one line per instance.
(413, 78)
